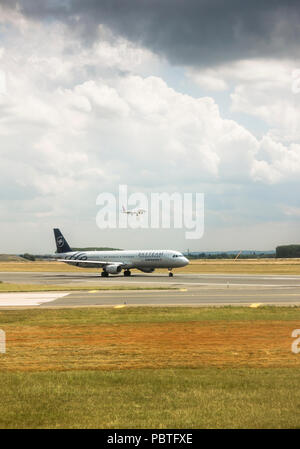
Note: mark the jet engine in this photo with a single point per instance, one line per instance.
(113, 269)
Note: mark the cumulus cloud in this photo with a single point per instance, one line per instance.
(191, 33)
(262, 88)
(79, 119)
(278, 162)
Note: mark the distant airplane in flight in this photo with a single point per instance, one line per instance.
(113, 262)
(136, 212)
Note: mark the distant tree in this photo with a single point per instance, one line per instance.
(28, 256)
(286, 251)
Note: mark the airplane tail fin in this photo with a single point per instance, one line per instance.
(61, 243)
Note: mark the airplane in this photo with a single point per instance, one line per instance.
(113, 262)
(136, 212)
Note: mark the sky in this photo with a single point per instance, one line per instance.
(161, 96)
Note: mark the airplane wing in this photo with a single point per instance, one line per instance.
(93, 262)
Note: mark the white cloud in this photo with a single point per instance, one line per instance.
(208, 79)
(77, 121)
(292, 211)
(277, 162)
(263, 88)
(105, 99)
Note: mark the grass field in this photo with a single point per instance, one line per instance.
(150, 367)
(242, 266)
(161, 398)
(6, 287)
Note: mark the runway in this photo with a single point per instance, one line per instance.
(187, 289)
(88, 278)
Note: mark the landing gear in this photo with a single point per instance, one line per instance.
(127, 273)
(104, 274)
(170, 274)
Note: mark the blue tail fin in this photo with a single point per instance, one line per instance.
(61, 243)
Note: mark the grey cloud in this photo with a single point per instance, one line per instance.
(194, 32)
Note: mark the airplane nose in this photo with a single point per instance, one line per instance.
(185, 261)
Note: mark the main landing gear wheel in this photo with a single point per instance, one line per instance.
(127, 273)
(104, 274)
(170, 274)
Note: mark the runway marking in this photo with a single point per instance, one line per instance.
(230, 285)
(28, 299)
(255, 305)
(201, 294)
(119, 307)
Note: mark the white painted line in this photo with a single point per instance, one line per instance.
(28, 299)
(214, 284)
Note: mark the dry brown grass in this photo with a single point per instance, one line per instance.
(150, 368)
(261, 344)
(7, 287)
(244, 266)
(39, 266)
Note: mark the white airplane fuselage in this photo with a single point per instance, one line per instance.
(113, 262)
(143, 260)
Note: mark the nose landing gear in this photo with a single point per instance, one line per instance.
(170, 273)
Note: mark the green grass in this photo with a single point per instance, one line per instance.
(202, 397)
(6, 287)
(94, 316)
(178, 398)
